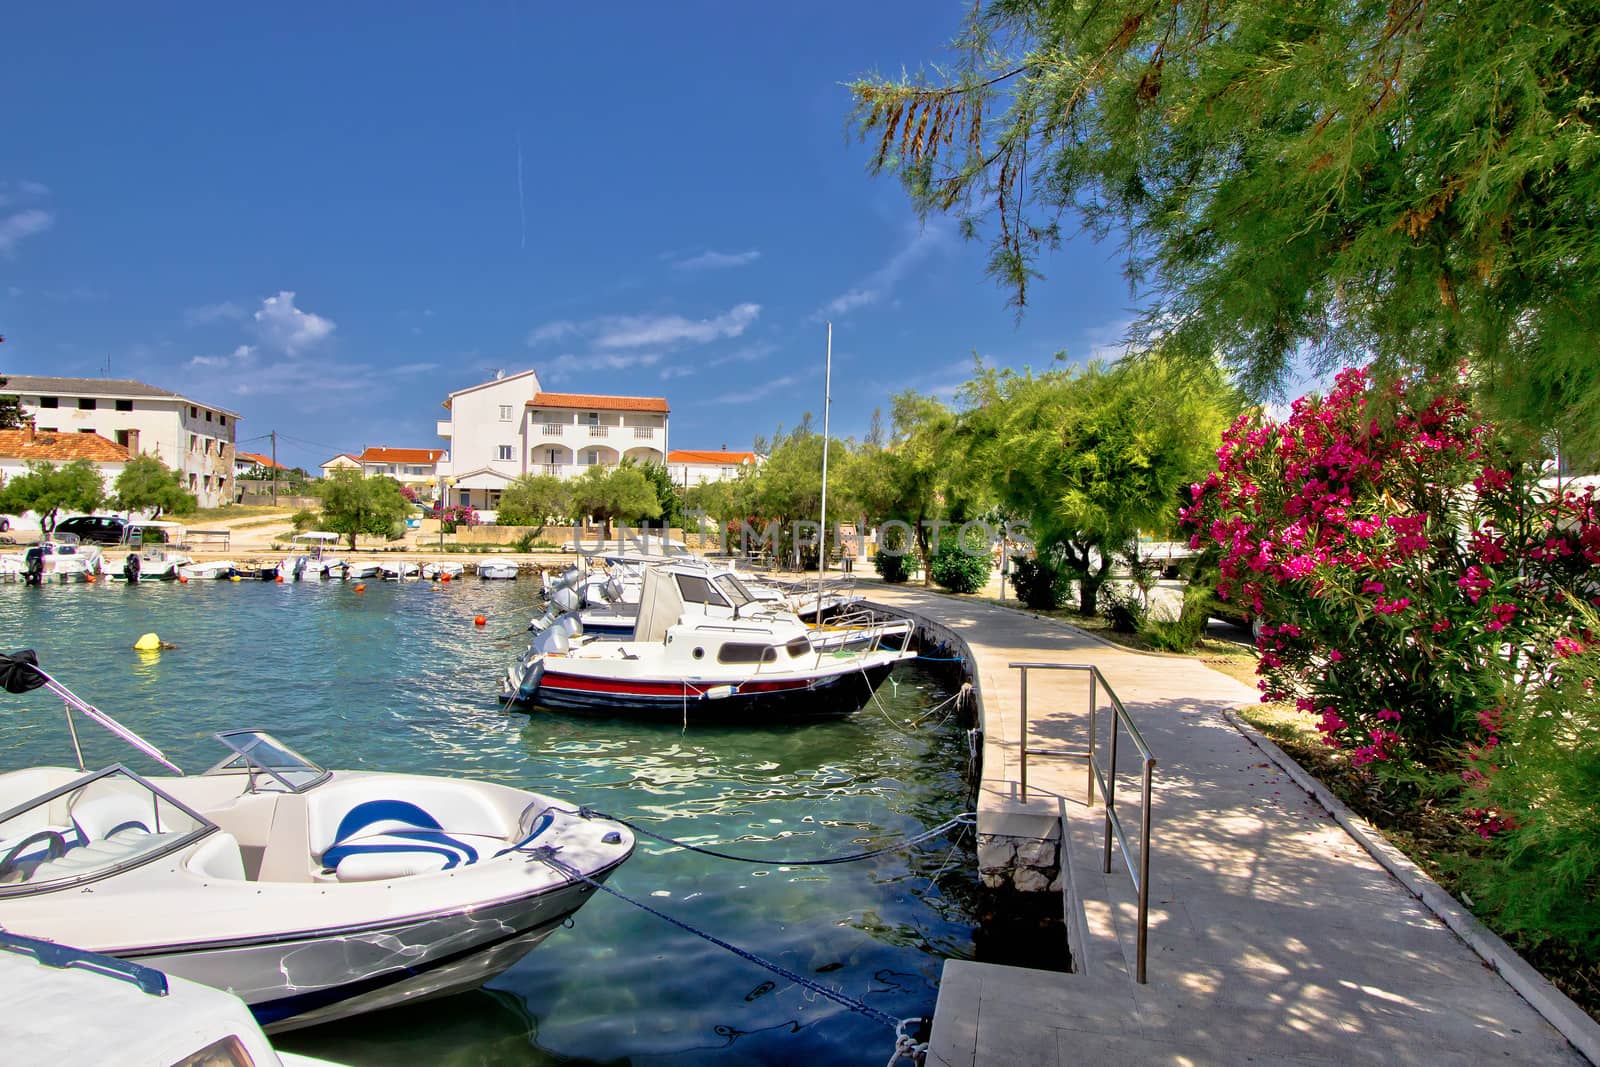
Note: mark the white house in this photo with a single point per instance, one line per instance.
(194, 439)
(245, 462)
(344, 461)
(18, 448)
(508, 427)
(689, 466)
(408, 466)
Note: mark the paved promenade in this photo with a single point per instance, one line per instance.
(1274, 937)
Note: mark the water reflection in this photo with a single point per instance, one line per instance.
(398, 678)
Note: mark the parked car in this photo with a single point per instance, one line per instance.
(99, 529)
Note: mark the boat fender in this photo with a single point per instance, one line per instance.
(720, 692)
(532, 674)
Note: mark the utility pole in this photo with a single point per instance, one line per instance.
(274, 436)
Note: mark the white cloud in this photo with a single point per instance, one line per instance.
(413, 368)
(678, 370)
(14, 228)
(642, 331)
(713, 260)
(225, 311)
(286, 327)
(570, 364)
(757, 392)
(241, 354)
(551, 331)
(923, 240)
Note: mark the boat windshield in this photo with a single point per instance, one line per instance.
(92, 827)
(735, 590)
(258, 753)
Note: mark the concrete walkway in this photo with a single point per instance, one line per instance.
(1274, 937)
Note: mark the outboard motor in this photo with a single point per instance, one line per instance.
(566, 598)
(130, 567)
(33, 565)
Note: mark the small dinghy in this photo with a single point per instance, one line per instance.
(360, 570)
(399, 570)
(497, 570)
(445, 570)
(216, 569)
(310, 894)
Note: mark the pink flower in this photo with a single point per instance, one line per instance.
(1370, 586)
(1568, 646)
(1391, 607)
(1503, 614)
(1335, 655)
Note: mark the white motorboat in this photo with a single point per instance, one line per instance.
(399, 570)
(66, 1006)
(319, 566)
(209, 570)
(310, 894)
(60, 558)
(150, 552)
(702, 647)
(497, 569)
(442, 570)
(360, 570)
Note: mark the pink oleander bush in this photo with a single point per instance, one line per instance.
(1406, 563)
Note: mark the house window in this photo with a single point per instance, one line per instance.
(208, 416)
(124, 405)
(122, 438)
(194, 412)
(86, 403)
(222, 420)
(504, 452)
(49, 401)
(505, 412)
(590, 458)
(592, 418)
(466, 498)
(86, 431)
(193, 444)
(193, 483)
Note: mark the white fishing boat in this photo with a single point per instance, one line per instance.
(442, 570)
(497, 569)
(68, 1006)
(319, 565)
(310, 894)
(59, 559)
(209, 570)
(399, 570)
(149, 552)
(703, 648)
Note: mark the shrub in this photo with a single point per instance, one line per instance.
(454, 515)
(1124, 610)
(895, 566)
(1183, 633)
(1039, 584)
(960, 569)
(304, 519)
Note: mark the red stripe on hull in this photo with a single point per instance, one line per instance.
(583, 684)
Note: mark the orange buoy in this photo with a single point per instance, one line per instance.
(280, 579)
(362, 588)
(183, 579)
(480, 621)
(444, 577)
(89, 578)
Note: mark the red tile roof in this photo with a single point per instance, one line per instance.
(689, 455)
(259, 460)
(378, 454)
(589, 402)
(54, 446)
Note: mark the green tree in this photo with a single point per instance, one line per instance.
(922, 465)
(620, 494)
(147, 484)
(47, 489)
(10, 407)
(1092, 456)
(354, 505)
(1409, 183)
(534, 500)
(666, 493)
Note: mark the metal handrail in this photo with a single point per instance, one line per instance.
(1108, 784)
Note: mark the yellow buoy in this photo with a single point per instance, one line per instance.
(148, 643)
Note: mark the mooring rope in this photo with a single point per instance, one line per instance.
(965, 819)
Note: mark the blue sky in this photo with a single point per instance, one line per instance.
(326, 217)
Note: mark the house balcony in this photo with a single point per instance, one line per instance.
(599, 431)
(444, 428)
(553, 429)
(644, 433)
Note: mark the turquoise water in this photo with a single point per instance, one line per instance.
(399, 678)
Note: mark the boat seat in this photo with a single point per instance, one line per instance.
(219, 857)
(360, 834)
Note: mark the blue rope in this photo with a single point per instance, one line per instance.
(943, 659)
(964, 819)
(547, 853)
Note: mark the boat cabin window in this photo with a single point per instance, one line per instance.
(696, 589)
(798, 647)
(272, 765)
(732, 588)
(738, 652)
(89, 828)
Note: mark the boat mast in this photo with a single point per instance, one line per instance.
(822, 539)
